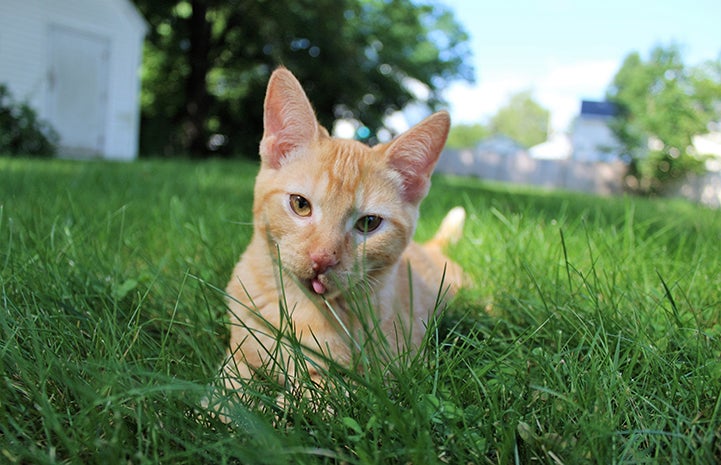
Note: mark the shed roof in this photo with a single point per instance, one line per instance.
(594, 108)
(132, 12)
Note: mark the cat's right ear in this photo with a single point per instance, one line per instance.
(289, 121)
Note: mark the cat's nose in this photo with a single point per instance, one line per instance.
(322, 260)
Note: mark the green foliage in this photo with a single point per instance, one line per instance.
(207, 64)
(591, 335)
(463, 136)
(21, 131)
(522, 119)
(662, 104)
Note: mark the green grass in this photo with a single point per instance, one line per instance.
(592, 335)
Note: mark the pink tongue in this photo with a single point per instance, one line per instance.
(318, 287)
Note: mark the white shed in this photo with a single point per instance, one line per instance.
(592, 138)
(77, 63)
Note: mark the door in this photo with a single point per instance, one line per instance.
(78, 90)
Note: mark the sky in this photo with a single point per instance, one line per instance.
(568, 50)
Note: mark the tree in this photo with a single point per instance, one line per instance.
(463, 136)
(207, 63)
(522, 119)
(662, 105)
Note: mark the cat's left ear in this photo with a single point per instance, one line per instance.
(415, 152)
(289, 121)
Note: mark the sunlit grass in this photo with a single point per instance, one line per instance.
(592, 334)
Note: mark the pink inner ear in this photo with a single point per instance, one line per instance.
(272, 116)
(414, 178)
(274, 150)
(288, 119)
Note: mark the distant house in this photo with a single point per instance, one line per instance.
(76, 62)
(591, 137)
(709, 147)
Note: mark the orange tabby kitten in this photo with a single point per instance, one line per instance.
(330, 214)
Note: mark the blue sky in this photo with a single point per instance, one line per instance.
(566, 50)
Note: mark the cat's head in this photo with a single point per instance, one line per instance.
(338, 211)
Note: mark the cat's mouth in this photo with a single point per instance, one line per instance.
(327, 285)
(320, 284)
(317, 285)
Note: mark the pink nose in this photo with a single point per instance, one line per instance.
(322, 260)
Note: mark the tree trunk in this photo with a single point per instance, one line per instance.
(197, 98)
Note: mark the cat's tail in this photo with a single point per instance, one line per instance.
(449, 232)
(451, 229)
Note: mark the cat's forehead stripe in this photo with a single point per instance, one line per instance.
(345, 164)
(266, 196)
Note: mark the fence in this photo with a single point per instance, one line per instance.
(603, 178)
(704, 189)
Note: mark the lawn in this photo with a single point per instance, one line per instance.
(592, 333)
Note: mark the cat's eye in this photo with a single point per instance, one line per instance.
(368, 223)
(300, 205)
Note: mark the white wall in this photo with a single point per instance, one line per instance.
(24, 61)
(592, 140)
